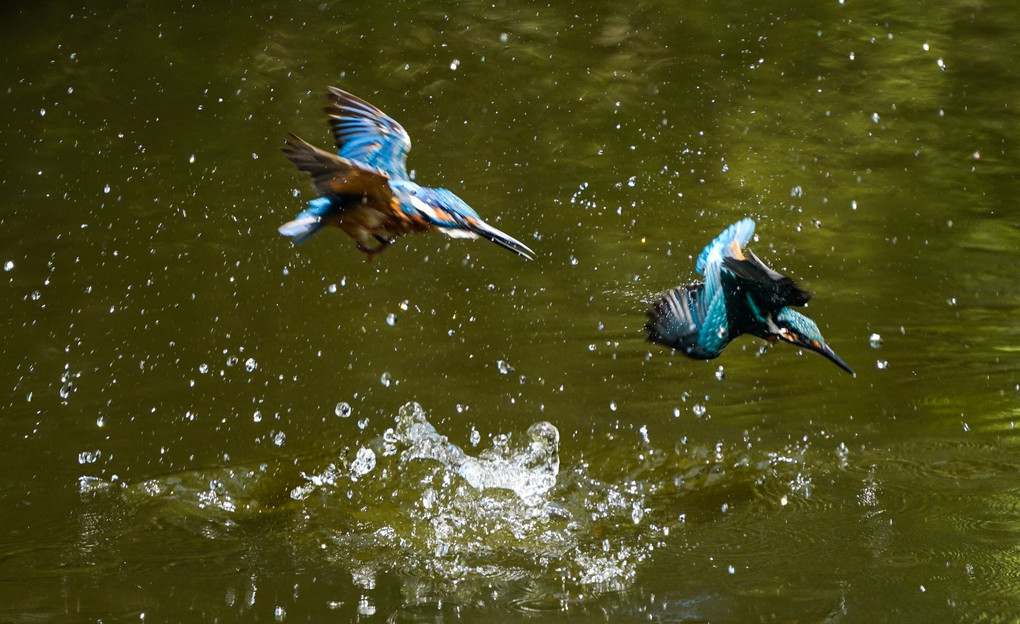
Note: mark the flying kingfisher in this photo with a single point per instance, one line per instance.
(740, 295)
(364, 189)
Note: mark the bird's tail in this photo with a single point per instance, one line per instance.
(673, 321)
(306, 224)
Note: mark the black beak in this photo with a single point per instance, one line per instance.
(835, 359)
(817, 347)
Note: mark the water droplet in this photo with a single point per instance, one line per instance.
(89, 457)
(853, 205)
(385, 379)
(391, 319)
(250, 364)
(191, 159)
(363, 462)
(875, 341)
(636, 512)
(203, 368)
(612, 405)
(9, 265)
(232, 360)
(731, 569)
(100, 422)
(503, 37)
(257, 416)
(874, 117)
(720, 374)
(475, 437)
(331, 289)
(429, 498)
(363, 423)
(882, 364)
(632, 181)
(676, 412)
(504, 367)
(279, 438)
(343, 409)
(106, 189)
(454, 64)
(279, 614)
(699, 410)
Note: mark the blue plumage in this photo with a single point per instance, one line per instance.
(365, 190)
(739, 295)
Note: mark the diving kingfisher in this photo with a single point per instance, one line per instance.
(364, 189)
(740, 295)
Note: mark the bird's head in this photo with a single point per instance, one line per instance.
(793, 327)
(449, 201)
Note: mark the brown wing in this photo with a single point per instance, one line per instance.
(333, 175)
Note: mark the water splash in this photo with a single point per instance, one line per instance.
(529, 471)
(451, 522)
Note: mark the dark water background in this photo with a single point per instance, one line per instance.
(202, 422)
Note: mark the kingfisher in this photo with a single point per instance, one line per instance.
(364, 188)
(739, 295)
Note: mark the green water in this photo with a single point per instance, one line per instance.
(174, 368)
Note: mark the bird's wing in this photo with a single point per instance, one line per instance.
(713, 326)
(765, 285)
(677, 320)
(728, 244)
(334, 175)
(365, 134)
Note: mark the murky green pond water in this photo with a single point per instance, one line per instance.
(203, 422)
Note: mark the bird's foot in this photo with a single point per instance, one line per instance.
(371, 252)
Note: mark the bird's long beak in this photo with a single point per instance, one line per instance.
(502, 239)
(817, 347)
(835, 359)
